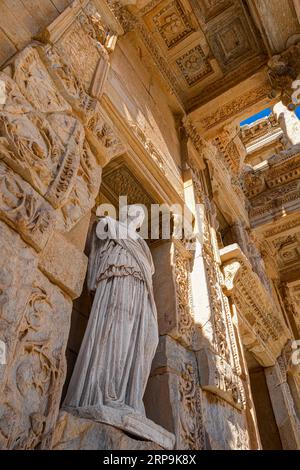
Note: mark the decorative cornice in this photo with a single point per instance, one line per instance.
(261, 323)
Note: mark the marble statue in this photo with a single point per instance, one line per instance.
(114, 362)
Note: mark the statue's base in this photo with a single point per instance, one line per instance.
(128, 421)
(73, 433)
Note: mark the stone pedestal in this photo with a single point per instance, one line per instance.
(128, 421)
(73, 433)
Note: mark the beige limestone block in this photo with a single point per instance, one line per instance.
(72, 433)
(64, 264)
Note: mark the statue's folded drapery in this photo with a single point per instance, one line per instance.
(115, 358)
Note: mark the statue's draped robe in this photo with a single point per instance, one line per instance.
(121, 338)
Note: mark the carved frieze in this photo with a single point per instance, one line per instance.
(185, 326)
(46, 144)
(39, 146)
(84, 191)
(82, 35)
(191, 425)
(278, 170)
(218, 377)
(273, 203)
(235, 106)
(102, 136)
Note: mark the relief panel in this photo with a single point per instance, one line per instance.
(211, 8)
(17, 270)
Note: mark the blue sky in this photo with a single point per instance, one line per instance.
(264, 113)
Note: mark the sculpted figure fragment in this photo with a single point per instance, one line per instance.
(115, 358)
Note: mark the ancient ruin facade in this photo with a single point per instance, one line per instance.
(145, 99)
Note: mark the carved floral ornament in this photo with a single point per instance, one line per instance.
(262, 329)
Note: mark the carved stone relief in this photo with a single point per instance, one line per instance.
(231, 40)
(49, 148)
(220, 375)
(17, 270)
(24, 209)
(174, 374)
(194, 65)
(36, 375)
(185, 326)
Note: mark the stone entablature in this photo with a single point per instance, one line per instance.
(276, 171)
(273, 188)
(262, 133)
(261, 323)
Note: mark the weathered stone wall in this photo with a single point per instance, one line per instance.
(49, 179)
(76, 99)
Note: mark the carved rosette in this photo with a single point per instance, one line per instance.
(186, 329)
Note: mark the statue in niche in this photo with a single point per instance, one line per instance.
(113, 365)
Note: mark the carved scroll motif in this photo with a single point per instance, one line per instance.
(191, 427)
(24, 209)
(186, 327)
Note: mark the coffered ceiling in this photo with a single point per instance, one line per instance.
(207, 46)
